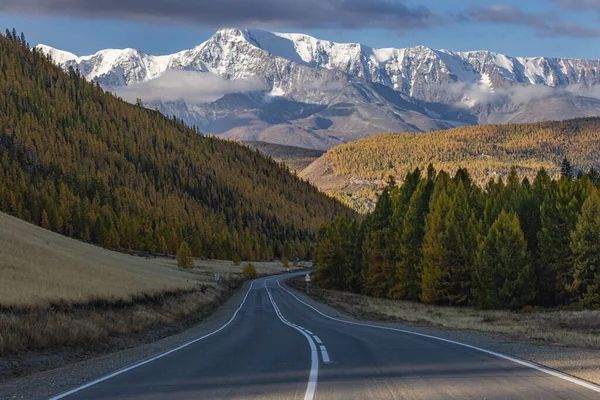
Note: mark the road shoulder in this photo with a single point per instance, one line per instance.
(51, 382)
(579, 362)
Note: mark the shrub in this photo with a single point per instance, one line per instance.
(285, 262)
(236, 259)
(249, 271)
(527, 309)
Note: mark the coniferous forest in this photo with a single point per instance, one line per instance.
(444, 240)
(79, 161)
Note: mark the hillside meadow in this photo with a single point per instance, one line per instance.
(39, 267)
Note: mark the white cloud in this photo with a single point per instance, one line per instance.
(581, 90)
(470, 95)
(190, 86)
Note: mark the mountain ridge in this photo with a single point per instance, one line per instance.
(533, 66)
(301, 79)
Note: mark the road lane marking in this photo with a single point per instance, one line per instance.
(566, 377)
(325, 355)
(314, 356)
(317, 339)
(161, 355)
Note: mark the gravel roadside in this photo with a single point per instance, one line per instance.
(579, 362)
(52, 382)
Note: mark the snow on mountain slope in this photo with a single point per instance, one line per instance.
(229, 53)
(442, 86)
(58, 56)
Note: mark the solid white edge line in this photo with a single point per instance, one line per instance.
(566, 377)
(311, 388)
(325, 355)
(149, 360)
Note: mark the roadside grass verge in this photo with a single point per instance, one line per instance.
(579, 328)
(90, 325)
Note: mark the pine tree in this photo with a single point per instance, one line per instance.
(594, 177)
(494, 203)
(435, 253)
(184, 256)
(400, 203)
(519, 197)
(585, 247)
(383, 211)
(512, 191)
(378, 260)
(374, 247)
(45, 223)
(334, 261)
(566, 171)
(356, 280)
(503, 276)
(410, 255)
(462, 229)
(324, 259)
(449, 246)
(558, 214)
(162, 245)
(541, 184)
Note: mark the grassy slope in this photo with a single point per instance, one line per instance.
(38, 267)
(487, 151)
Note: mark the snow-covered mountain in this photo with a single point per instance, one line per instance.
(299, 90)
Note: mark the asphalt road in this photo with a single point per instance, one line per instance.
(278, 347)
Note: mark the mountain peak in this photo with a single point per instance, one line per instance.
(58, 56)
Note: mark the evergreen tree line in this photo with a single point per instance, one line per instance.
(81, 162)
(444, 240)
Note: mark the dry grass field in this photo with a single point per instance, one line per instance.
(580, 328)
(38, 267)
(56, 291)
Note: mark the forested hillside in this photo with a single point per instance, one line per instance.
(446, 240)
(487, 151)
(77, 160)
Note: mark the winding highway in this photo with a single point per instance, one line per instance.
(277, 346)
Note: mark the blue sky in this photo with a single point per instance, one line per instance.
(563, 28)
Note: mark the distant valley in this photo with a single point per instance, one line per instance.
(294, 89)
(296, 158)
